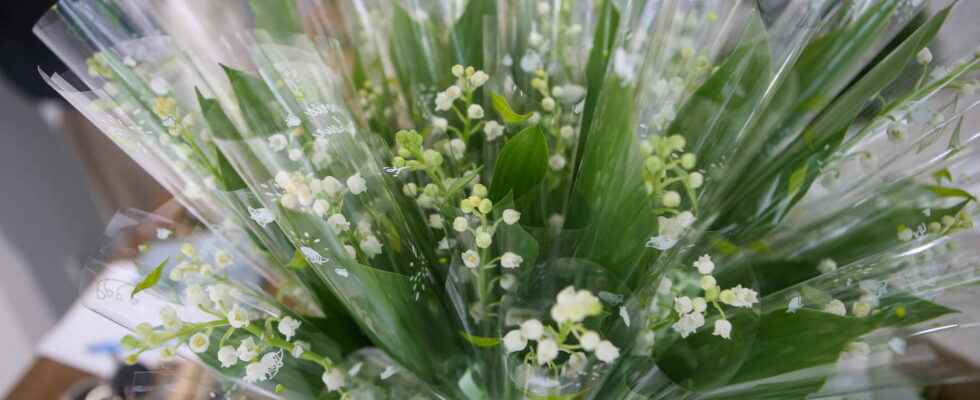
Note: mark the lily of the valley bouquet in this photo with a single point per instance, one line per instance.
(482, 199)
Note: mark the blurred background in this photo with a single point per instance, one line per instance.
(62, 181)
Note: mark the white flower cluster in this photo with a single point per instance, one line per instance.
(467, 80)
(665, 167)
(691, 311)
(324, 198)
(555, 99)
(191, 267)
(570, 310)
(943, 226)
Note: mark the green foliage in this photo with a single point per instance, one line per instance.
(277, 16)
(521, 165)
(468, 32)
(595, 69)
(151, 279)
(263, 115)
(505, 111)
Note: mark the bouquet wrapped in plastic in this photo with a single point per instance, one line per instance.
(485, 199)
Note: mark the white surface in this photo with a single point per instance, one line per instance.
(24, 315)
(71, 341)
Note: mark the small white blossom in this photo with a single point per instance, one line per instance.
(371, 246)
(683, 305)
(456, 148)
(334, 378)
(228, 356)
(435, 221)
(247, 350)
(457, 70)
(924, 56)
(606, 352)
(331, 186)
(356, 184)
(321, 207)
(548, 104)
(511, 216)
(483, 240)
(299, 347)
(511, 260)
(443, 101)
(295, 154)
(531, 62)
(739, 297)
(671, 199)
(507, 281)
(439, 124)
(688, 324)
(493, 130)
(704, 265)
(168, 315)
(238, 317)
(471, 259)
(534, 118)
(547, 351)
(795, 304)
(474, 111)
(695, 179)
(827, 266)
(708, 282)
(515, 341)
(223, 259)
(199, 342)
(589, 340)
(479, 78)
(287, 327)
(575, 306)
(338, 222)
(278, 142)
(460, 224)
(569, 94)
(835, 307)
(723, 328)
(861, 309)
(557, 162)
(670, 230)
(532, 329)
(256, 372)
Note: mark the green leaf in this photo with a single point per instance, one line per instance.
(298, 261)
(521, 165)
(417, 58)
(263, 115)
(480, 341)
(715, 116)
(796, 181)
(760, 211)
(596, 66)
(506, 113)
(468, 32)
(276, 16)
(151, 279)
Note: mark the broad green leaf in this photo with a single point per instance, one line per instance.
(480, 341)
(277, 16)
(417, 58)
(468, 32)
(506, 113)
(151, 279)
(521, 165)
(796, 181)
(759, 211)
(298, 261)
(596, 67)
(262, 114)
(715, 115)
(218, 122)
